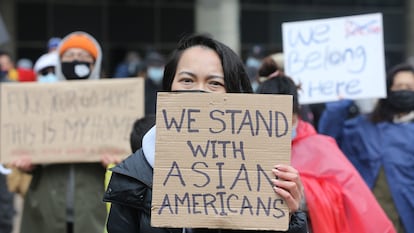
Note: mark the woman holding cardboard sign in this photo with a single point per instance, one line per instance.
(198, 64)
(337, 198)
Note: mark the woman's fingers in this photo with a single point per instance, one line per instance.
(288, 185)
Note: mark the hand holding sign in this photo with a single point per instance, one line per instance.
(288, 185)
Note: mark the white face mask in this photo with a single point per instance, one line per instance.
(155, 74)
(48, 78)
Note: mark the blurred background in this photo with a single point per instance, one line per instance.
(251, 27)
(142, 25)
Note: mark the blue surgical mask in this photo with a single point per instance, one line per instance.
(48, 78)
(155, 74)
(293, 132)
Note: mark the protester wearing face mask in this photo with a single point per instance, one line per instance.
(380, 144)
(66, 197)
(80, 57)
(155, 63)
(333, 188)
(45, 67)
(25, 70)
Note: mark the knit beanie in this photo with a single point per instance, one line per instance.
(79, 41)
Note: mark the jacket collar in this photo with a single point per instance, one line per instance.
(148, 146)
(135, 166)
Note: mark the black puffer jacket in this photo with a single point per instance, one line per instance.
(130, 192)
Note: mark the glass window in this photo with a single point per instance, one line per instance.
(254, 26)
(131, 23)
(31, 23)
(176, 22)
(88, 18)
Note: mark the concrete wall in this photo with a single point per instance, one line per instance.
(409, 44)
(7, 11)
(220, 19)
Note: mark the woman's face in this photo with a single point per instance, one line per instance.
(199, 68)
(403, 80)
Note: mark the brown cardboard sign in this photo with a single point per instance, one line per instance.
(73, 121)
(213, 159)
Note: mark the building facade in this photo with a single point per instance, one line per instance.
(123, 25)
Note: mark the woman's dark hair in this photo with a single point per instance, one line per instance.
(268, 67)
(276, 83)
(139, 129)
(283, 85)
(383, 111)
(236, 79)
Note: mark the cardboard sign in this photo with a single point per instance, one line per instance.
(336, 58)
(213, 160)
(73, 121)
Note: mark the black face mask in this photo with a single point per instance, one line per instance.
(402, 101)
(76, 70)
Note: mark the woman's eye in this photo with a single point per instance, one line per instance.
(214, 83)
(186, 80)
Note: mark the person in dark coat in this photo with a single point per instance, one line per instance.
(333, 188)
(198, 64)
(380, 144)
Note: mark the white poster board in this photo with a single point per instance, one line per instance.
(336, 58)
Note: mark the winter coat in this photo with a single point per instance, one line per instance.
(45, 202)
(60, 192)
(130, 192)
(372, 146)
(338, 199)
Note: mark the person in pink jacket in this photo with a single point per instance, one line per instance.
(336, 197)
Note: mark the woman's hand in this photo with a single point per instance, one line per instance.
(288, 186)
(109, 159)
(23, 163)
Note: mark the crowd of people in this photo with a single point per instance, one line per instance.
(349, 171)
